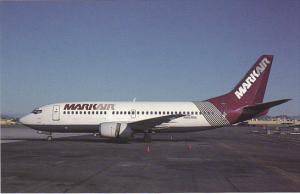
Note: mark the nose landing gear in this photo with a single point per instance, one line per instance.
(49, 135)
(49, 138)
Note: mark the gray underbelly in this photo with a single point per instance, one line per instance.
(65, 128)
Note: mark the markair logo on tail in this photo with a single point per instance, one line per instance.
(250, 80)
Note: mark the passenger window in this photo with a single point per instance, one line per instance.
(64, 112)
(164, 113)
(151, 112)
(138, 112)
(155, 113)
(128, 112)
(187, 113)
(88, 112)
(142, 112)
(125, 112)
(132, 112)
(105, 112)
(171, 112)
(92, 112)
(113, 112)
(159, 112)
(68, 112)
(117, 112)
(72, 112)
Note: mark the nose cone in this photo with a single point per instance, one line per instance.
(25, 120)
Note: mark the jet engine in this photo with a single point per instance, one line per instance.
(117, 130)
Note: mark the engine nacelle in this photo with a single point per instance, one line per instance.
(111, 129)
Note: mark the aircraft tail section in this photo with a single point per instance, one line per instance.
(249, 92)
(251, 89)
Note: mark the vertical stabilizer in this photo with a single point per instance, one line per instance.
(249, 91)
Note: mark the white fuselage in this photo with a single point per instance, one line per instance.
(87, 116)
(119, 119)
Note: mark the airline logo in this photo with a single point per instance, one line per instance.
(250, 80)
(89, 107)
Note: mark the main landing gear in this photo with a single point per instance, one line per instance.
(147, 137)
(49, 137)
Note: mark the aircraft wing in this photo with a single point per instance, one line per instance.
(151, 123)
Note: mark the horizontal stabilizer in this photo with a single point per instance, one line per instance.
(260, 107)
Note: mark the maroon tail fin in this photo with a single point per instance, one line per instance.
(249, 91)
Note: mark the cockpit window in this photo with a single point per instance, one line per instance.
(37, 111)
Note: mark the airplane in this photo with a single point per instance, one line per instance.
(124, 119)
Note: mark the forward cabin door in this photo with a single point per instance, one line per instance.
(55, 113)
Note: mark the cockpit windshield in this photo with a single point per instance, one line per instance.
(37, 111)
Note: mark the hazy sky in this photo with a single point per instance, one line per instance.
(56, 51)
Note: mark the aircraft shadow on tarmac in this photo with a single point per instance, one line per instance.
(103, 140)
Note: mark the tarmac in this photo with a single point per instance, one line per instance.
(232, 159)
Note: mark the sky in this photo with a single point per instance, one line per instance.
(160, 50)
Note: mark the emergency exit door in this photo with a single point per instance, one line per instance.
(55, 113)
(133, 114)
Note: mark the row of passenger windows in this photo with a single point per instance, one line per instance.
(160, 112)
(85, 112)
(139, 112)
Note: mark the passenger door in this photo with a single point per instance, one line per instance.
(56, 113)
(224, 105)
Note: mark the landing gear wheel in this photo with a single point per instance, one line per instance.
(49, 138)
(147, 137)
(132, 135)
